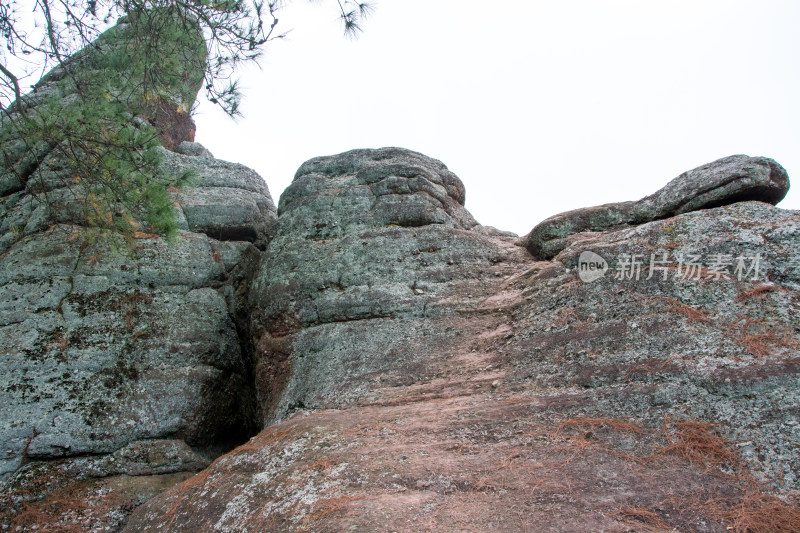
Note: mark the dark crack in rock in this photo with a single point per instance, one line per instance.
(124, 364)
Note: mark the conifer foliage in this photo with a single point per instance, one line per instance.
(87, 140)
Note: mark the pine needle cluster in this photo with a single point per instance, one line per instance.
(87, 141)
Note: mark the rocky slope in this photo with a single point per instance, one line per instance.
(426, 373)
(122, 364)
(395, 365)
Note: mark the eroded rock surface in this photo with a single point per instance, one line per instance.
(408, 369)
(371, 246)
(122, 366)
(726, 181)
(438, 377)
(105, 345)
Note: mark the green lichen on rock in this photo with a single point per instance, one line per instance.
(133, 359)
(87, 141)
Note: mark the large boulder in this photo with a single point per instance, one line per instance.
(123, 364)
(500, 392)
(371, 250)
(726, 181)
(107, 343)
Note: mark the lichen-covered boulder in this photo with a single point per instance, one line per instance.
(660, 395)
(371, 246)
(123, 368)
(726, 181)
(105, 343)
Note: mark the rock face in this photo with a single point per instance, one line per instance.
(726, 181)
(436, 376)
(107, 345)
(395, 365)
(368, 247)
(123, 367)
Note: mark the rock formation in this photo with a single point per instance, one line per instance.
(122, 364)
(371, 246)
(436, 376)
(397, 366)
(732, 179)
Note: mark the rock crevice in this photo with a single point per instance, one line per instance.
(124, 365)
(390, 360)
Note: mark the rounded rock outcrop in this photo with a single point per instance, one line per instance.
(365, 240)
(114, 345)
(732, 179)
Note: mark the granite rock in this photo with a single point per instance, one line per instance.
(366, 242)
(605, 405)
(725, 181)
(395, 364)
(123, 365)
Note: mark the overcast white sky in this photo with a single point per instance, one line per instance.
(538, 106)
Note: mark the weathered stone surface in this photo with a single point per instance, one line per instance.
(725, 181)
(104, 344)
(194, 149)
(224, 213)
(519, 397)
(416, 371)
(368, 242)
(122, 367)
(102, 347)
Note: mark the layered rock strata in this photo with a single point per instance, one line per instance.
(732, 179)
(433, 375)
(123, 368)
